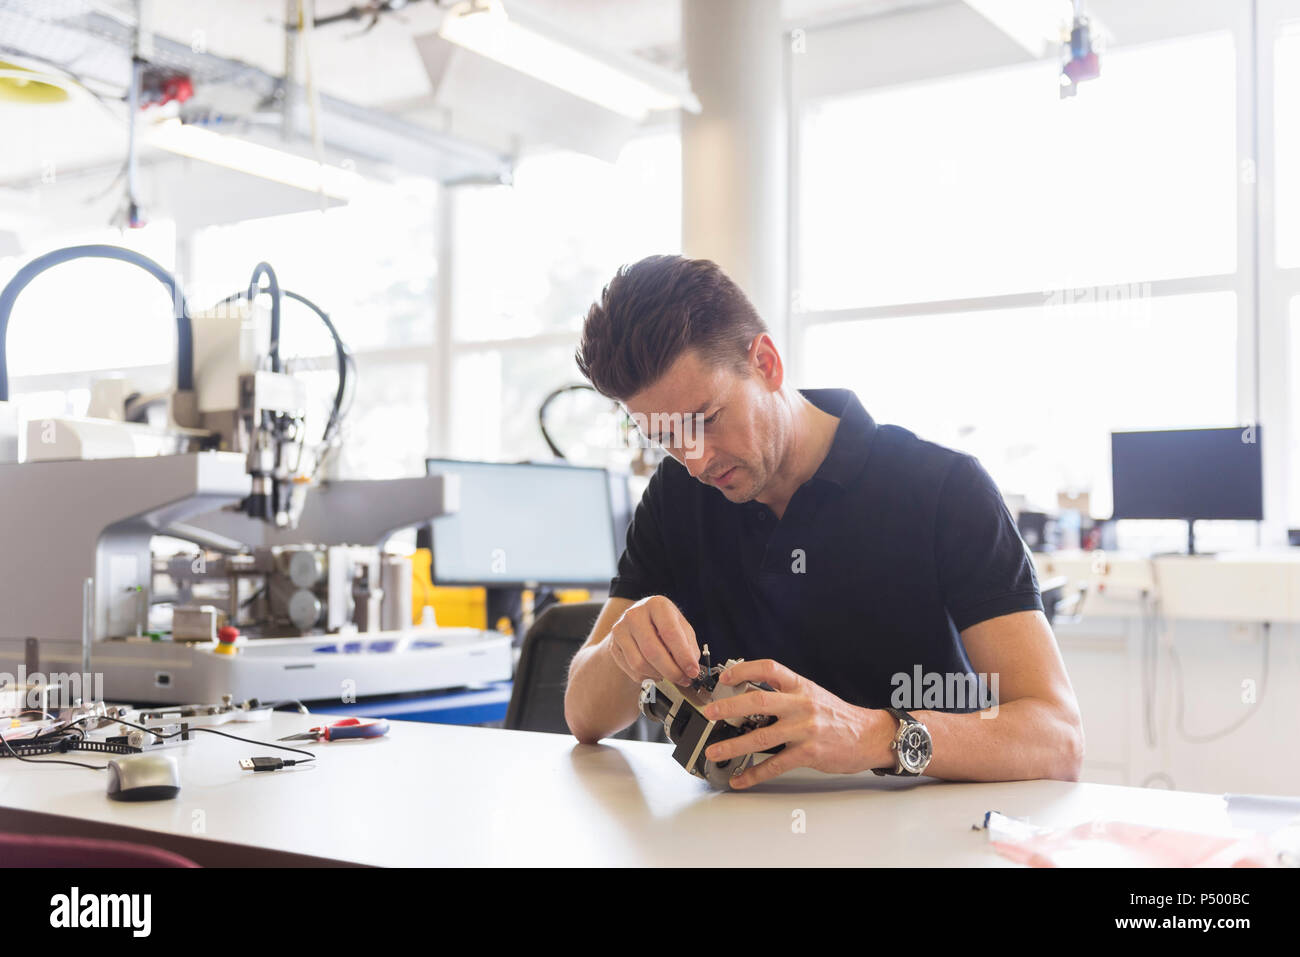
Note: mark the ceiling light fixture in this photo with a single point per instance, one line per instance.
(525, 43)
(252, 158)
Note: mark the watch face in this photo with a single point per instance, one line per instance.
(914, 750)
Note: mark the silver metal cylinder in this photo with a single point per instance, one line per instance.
(87, 635)
(396, 611)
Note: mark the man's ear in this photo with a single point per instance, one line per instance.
(766, 362)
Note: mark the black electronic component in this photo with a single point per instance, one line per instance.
(261, 764)
(26, 749)
(679, 710)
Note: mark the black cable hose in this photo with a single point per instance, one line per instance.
(55, 736)
(340, 349)
(184, 325)
(254, 289)
(184, 328)
(541, 413)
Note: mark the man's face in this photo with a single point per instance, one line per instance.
(721, 424)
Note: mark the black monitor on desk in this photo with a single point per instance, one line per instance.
(520, 525)
(1188, 474)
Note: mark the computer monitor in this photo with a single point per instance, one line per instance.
(525, 524)
(1188, 474)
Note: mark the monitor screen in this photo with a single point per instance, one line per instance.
(1188, 474)
(524, 524)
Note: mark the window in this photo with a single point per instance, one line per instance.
(990, 184)
(528, 262)
(1286, 112)
(371, 265)
(1035, 393)
(497, 395)
(1086, 249)
(86, 320)
(385, 433)
(93, 314)
(1286, 132)
(529, 258)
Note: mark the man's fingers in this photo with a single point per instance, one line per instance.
(787, 760)
(625, 654)
(763, 669)
(677, 636)
(760, 739)
(653, 635)
(652, 649)
(620, 659)
(751, 702)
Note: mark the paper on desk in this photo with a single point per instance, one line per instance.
(1262, 812)
(1123, 844)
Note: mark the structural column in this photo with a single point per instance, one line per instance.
(734, 152)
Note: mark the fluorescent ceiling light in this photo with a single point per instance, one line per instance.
(254, 159)
(523, 43)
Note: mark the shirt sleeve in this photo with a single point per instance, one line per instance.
(984, 567)
(644, 569)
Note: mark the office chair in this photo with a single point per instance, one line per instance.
(1053, 593)
(537, 699)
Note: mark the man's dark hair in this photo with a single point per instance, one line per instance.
(655, 310)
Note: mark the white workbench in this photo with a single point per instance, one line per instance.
(446, 795)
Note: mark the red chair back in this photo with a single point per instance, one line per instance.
(41, 850)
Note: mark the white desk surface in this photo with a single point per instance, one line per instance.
(445, 795)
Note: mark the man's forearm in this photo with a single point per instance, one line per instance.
(600, 699)
(1029, 738)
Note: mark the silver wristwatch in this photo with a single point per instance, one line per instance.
(912, 746)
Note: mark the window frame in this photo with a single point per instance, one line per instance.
(1263, 289)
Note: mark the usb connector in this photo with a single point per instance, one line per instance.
(266, 764)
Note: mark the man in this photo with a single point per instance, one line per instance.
(843, 560)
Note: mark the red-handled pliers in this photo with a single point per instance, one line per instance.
(347, 728)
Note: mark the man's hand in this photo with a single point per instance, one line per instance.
(818, 729)
(653, 640)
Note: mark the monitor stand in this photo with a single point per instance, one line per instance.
(1191, 540)
(506, 602)
(1191, 545)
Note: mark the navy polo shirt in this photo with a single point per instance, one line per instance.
(882, 558)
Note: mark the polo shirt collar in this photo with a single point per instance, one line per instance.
(853, 436)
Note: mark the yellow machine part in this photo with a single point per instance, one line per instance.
(462, 607)
(21, 85)
(452, 607)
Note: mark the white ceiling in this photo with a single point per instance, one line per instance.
(381, 68)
